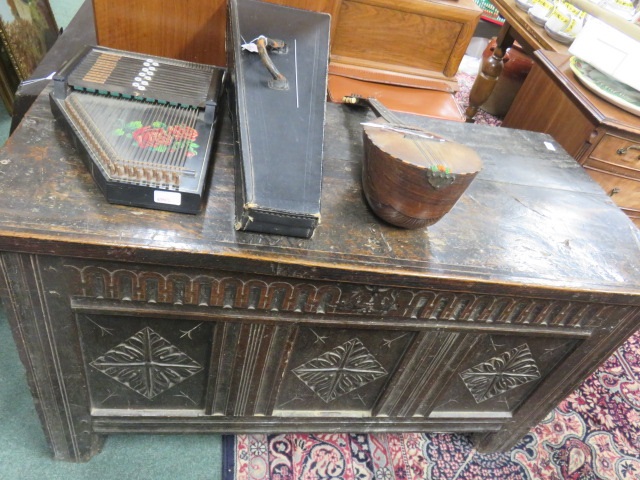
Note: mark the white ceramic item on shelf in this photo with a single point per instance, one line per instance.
(606, 87)
(524, 4)
(540, 12)
(564, 23)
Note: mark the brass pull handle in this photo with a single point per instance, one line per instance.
(622, 151)
(614, 191)
(278, 80)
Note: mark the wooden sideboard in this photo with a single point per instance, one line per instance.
(134, 320)
(599, 135)
(409, 40)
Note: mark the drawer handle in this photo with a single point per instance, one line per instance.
(614, 191)
(622, 151)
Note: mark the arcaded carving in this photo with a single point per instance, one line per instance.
(500, 374)
(147, 363)
(266, 293)
(340, 371)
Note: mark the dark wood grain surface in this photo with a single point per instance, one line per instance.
(602, 137)
(531, 217)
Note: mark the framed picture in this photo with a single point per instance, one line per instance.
(27, 30)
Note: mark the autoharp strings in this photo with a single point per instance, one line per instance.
(137, 142)
(146, 78)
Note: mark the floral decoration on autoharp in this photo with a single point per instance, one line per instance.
(160, 137)
(411, 177)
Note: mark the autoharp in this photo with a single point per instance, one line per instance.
(145, 125)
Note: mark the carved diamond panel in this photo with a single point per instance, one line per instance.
(501, 374)
(340, 371)
(147, 363)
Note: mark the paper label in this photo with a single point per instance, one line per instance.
(169, 198)
(250, 47)
(560, 17)
(574, 10)
(544, 3)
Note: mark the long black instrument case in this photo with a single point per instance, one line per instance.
(278, 57)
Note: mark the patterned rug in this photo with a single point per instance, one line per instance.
(593, 434)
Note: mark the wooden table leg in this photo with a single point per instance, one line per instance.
(488, 76)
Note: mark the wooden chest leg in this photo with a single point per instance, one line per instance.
(582, 362)
(48, 348)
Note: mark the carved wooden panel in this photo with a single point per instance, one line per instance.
(257, 292)
(257, 368)
(340, 371)
(499, 374)
(502, 373)
(146, 363)
(246, 368)
(424, 373)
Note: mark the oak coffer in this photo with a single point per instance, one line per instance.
(132, 320)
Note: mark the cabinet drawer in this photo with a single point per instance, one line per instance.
(620, 155)
(624, 191)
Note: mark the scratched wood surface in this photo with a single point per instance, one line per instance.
(532, 216)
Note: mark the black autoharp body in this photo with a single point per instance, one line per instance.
(145, 125)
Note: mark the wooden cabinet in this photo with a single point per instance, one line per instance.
(410, 38)
(614, 163)
(423, 38)
(603, 138)
(191, 30)
(133, 320)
